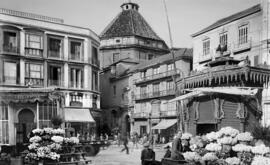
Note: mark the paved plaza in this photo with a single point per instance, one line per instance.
(113, 156)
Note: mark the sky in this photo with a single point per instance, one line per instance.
(186, 16)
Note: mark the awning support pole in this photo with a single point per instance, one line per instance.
(37, 114)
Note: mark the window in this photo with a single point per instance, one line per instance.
(76, 99)
(114, 90)
(116, 57)
(76, 77)
(223, 38)
(95, 60)
(94, 101)
(4, 131)
(143, 107)
(256, 60)
(170, 85)
(243, 34)
(206, 47)
(150, 56)
(143, 74)
(76, 50)
(47, 110)
(11, 73)
(55, 78)
(171, 106)
(143, 91)
(155, 89)
(170, 67)
(33, 74)
(33, 44)
(10, 42)
(95, 81)
(155, 109)
(55, 45)
(143, 129)
(156, 71)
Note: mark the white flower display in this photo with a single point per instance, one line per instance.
(48, 130)
(38, 131)
(213, 147)
(246, 136)
(58, 131)
(74, 140)
(227, 131)
(261, 149)
(241, 148)
(57, 139)
(211, 136)
(186, 136)
(33, 146)
(53, 156)
(43, 151)
(35, 139)
(227, 140)
(260, 160)
(192, 156)
(209, 157)
(233, 161)
(55, 146)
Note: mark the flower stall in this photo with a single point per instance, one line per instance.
(226, 147)
(49, 146)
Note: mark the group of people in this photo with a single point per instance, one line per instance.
(175, 153)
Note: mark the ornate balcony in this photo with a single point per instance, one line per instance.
(157, 76)
(34, 81)
(34, 52)
(140, 115)
(169, 113)
(10, 48)
(169, 92)
(58, 83)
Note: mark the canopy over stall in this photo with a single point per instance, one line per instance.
(164, 124)
(78, 115)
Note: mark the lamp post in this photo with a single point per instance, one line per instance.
(180, 113)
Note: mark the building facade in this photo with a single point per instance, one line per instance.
(153, 87)
(125, 42)
(47, 68)
(232, 53)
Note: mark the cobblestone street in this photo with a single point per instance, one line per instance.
(113, 156)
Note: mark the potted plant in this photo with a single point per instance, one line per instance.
(57, 121)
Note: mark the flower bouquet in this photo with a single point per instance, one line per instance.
(260, 160)
(192, 157)
(212, 136)
(186, 136)
(214, 147)
(209, 158)
(244, 137)
(260, 150)
(241, 148)
(233, 161)
(227, 131)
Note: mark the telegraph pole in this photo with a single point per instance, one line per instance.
(179, 114)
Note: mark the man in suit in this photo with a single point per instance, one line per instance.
(147, 155)
(177, 147)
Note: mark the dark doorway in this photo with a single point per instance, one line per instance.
(203, 129)
(25, 126)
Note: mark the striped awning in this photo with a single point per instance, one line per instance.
(78, 115)
(164, 124)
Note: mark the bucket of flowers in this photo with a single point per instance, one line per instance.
(193, 158)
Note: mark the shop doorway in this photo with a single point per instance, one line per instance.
(25, 126)
(203, 129)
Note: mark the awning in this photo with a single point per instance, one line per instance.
(164, 124)
(229, 90)
(78, 115)
(188, 95)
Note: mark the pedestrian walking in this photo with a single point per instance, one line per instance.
(125, 143)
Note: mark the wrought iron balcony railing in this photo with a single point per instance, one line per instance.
(163, 93)
(157, 76)
(34, 81)
(10, 48)
(34, 52)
